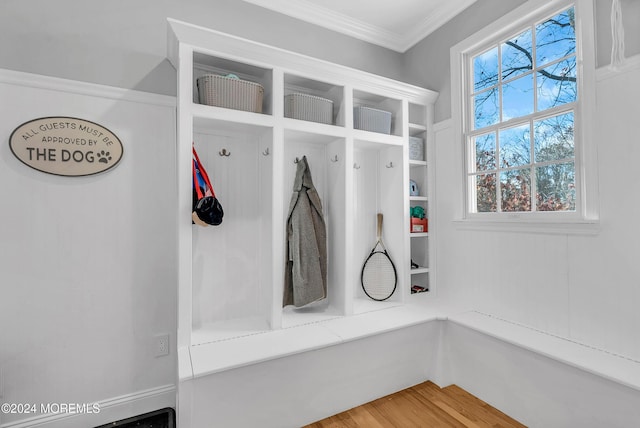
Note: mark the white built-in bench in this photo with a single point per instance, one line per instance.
(253, 349)
(535, 377)
(601, 363)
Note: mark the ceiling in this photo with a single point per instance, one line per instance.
(393, 24)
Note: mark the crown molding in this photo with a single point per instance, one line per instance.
(400, 42)
(441, 16)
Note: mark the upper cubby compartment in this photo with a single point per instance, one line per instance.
(376, 113)
(225, 83)
(417, 118)
(314, 101)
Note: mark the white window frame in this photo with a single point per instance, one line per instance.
(585, 218)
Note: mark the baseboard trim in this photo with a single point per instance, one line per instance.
(110, 410)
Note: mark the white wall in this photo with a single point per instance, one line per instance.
(583, 287)
(88, 264)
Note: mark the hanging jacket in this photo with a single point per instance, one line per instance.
(306, 267)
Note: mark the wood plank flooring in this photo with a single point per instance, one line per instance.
(423, 406)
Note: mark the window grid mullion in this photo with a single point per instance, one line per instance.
(533, 185)
(554, 111)
(499, 85)
(534, 67)
(498, 173)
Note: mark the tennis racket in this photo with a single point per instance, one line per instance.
(379, 278)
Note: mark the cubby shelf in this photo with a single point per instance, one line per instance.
(230, 277)
(202, 114)
(415, 128)
(419, 234)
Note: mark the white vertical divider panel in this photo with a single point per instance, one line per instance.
(269, 259)
(430, 156)
(404, 271)
(351, 263)
(391, 203)
(336, 226)
(278, 209)
(184, 179)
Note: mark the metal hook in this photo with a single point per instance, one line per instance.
(224, 152)
(334, 159)
(266, 152)
(356, 166)
(390, 165)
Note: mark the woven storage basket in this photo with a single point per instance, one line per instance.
(416, 148)
(371, 119)
(228, 92)
(308, 107)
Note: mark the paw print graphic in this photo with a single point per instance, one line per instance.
(104, 157)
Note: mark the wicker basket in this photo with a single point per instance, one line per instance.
(308, 107)
(416, 148)
(371, 119)
(229, 92)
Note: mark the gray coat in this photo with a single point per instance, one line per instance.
(305, 278)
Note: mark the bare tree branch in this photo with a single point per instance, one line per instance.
(543, 72)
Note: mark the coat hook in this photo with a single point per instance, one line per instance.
(266, 152)
(334, 159)
(390, 165)
(356, 166)
(224, 152)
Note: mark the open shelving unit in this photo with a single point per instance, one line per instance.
(230, 277)
(421, 171)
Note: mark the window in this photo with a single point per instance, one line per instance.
(522, 115)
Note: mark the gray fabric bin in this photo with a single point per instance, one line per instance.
(229, 92)
(308, 107)
(371, 119)
(416, 148)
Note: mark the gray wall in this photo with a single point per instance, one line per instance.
(123, 42)
(427, 64)
(631, 22)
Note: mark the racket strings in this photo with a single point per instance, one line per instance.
(379, 276)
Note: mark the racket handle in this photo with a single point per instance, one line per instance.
(379, 226)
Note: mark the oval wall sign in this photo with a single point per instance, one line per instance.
(66, 146)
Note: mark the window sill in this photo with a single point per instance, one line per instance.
(577, 227)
